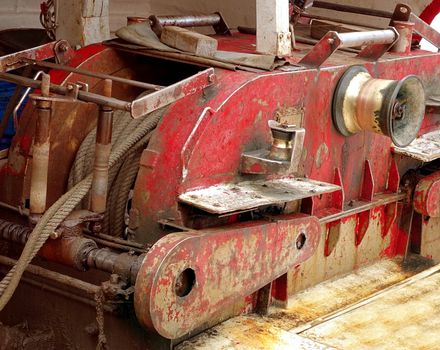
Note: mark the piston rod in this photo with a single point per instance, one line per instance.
(41, 148)
(102, 154)
(373, 37)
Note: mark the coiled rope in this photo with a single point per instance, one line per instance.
(135, 138)
(121, 176)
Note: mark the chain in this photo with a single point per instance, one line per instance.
(48, 17)
(102, 340)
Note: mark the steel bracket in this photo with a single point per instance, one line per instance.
(376, 43)
(266, 162)
(188, 278)
(61, 50)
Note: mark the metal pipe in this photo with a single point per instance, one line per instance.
(298, 38)
(352, 9)
(187, 21)
(54, 276)
(20, 210)
(61, 90)
(373, 37)
(356, 208)
(41, 148)
(116, 240)
(118, 246)
(80, 71)
(102, 259)
(102, 154)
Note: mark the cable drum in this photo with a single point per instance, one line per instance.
(132, 140)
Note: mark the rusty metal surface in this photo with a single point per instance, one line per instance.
(78, 252)
(211, 129)
(15, 60)
(427, 196)
(248, 195)
(71, 122)
(200, 273)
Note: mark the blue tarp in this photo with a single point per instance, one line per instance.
(6, 91)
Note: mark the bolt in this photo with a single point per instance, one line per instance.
(331, 41)
(403, 9)
(55, 235)
(211, 78)
(96, 227)
(114, 278)
(63, 47)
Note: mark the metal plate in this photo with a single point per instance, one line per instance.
(248, 195)
(425, 148)
(16, 60)
(152, 102)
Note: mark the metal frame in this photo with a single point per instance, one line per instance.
(162, 96)
(377, 43)
(402, 12)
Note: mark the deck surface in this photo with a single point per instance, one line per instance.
(387, 305)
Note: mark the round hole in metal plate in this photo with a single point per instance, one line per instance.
(185, 282)
(301, 240)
